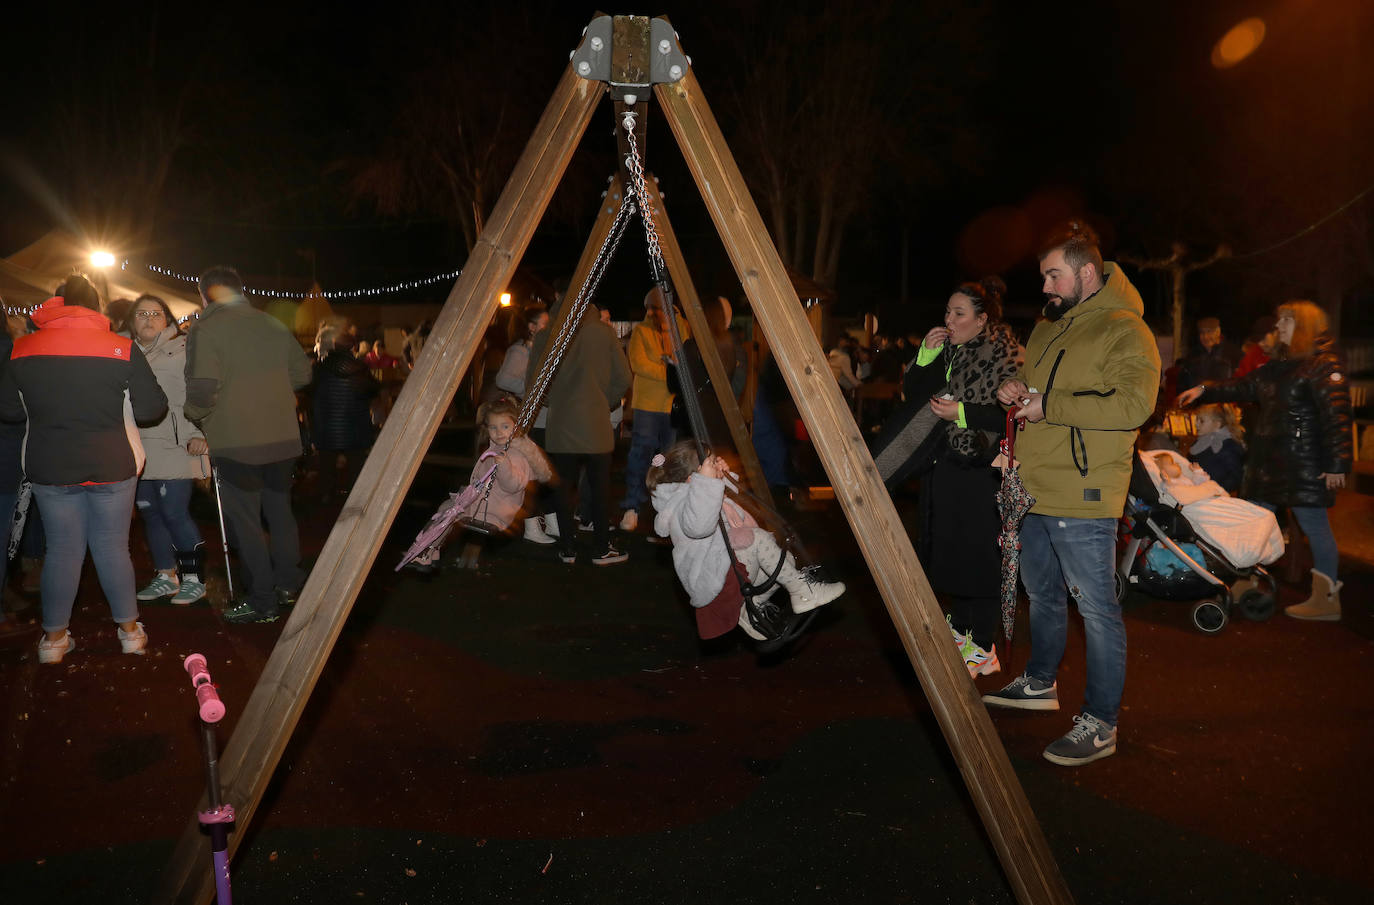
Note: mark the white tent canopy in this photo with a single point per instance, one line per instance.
(29, 276)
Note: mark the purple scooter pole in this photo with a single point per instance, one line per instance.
(220, 817)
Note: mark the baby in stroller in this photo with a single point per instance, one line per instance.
(1189, 539)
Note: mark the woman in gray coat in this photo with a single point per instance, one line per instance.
(177, 455)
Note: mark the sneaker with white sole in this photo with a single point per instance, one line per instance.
(610, 557)
(135, 642)
(191, 590)
(1025, 693)
(161, 586)
(1090, 739)
(979, 662)
(567, 555)
(54, 651)
(630, 520)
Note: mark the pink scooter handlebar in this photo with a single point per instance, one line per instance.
(211, 707)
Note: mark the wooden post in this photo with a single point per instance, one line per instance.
(1010, 823)
(710, 355)
(294, 667)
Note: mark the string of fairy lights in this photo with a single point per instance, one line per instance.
(332, 294)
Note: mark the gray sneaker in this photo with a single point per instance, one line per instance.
(1090, 739)
(1025, 693)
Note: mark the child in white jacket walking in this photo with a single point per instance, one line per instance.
(689, 497)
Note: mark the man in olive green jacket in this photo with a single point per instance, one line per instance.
(1090, 380)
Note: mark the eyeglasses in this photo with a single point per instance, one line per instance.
(149, 315)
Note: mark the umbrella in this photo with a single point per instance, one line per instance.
(448, 513)
(1013, 502)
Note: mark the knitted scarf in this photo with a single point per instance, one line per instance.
(976, 369)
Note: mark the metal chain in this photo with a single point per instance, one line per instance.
(534, 398)
(641, 190)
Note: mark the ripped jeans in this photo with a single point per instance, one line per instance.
(166, 510)
(1075, 557)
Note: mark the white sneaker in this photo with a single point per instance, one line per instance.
(54, 651)
(135, 642)
(535, 533)
(551, 524)
(630, 520)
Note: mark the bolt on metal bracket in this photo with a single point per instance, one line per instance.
(630, 53)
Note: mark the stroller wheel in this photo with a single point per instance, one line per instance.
(1256, 605)
(1209, 616)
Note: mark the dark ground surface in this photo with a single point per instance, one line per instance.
(535, 732)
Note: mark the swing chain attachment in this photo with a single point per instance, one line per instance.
(630, 54)
(635, 165)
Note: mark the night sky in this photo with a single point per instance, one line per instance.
(1109, 109)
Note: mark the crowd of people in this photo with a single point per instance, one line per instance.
(100, 420)
(1275, 430)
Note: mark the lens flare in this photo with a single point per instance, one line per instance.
(1238, 43)
(102, 259)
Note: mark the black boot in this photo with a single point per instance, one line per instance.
(191, 571)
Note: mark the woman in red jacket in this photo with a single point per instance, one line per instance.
(75, 381)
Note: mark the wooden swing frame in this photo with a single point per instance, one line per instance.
(296, 662)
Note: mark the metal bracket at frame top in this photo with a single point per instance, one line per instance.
(630, 53)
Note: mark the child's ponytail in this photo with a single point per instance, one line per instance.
(674, 465)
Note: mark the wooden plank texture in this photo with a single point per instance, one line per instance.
(309, 635)
(1002, 804)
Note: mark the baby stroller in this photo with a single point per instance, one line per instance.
(1178, 550)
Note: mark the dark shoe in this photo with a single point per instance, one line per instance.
(610, 557)
(568, 556)
(1025, 693)
(244, 614)
(286, 598)
(1090, 739)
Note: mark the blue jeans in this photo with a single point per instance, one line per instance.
(77, 517)
(653, 432)
(166, 510)
(1315, 523)
(1075, 557)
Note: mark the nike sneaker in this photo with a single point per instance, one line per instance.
(1090, 739)
(1025, 693)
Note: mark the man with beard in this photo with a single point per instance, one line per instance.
(1089, 381)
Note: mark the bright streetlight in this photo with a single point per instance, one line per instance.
(102, 259)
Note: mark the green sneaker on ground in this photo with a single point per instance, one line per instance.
(244, 614)
(161, 586)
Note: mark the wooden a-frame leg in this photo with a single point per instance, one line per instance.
(1016, 835)
(305, 643)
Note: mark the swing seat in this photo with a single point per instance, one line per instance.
(477, 526)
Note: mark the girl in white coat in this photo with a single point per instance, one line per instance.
(690, 498)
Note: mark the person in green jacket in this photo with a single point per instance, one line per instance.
(1090, 379)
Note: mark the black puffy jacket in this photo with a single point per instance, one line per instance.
(343, 391)
(1302, 429)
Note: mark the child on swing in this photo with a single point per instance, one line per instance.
(689, 497)
(519, 460)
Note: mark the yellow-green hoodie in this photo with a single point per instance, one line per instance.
(1098, 367)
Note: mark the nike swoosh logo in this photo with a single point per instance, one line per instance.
(1035, 694)
(1100, 742)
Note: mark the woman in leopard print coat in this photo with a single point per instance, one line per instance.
(947, 433)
